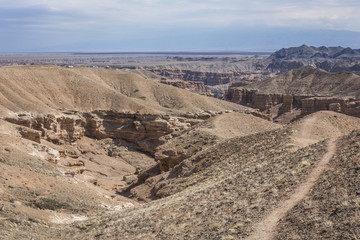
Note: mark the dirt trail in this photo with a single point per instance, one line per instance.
(305, 136)
(266, 229)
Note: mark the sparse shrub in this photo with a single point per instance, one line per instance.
(50, 204)
(133, 195)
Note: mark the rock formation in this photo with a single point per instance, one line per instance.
(331, 59)
(208, 78)
(309, 89)
(197, 87)
(145, 130)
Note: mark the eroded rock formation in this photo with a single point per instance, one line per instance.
(262, 101)
(208, 78)
(148, 131)
(197, 87)
(307, 103)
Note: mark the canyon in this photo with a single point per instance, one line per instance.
(308, 90)
(122, 152)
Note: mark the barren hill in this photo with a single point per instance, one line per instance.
(49, 88)
(73, 138)
(228, 191)
(83, 149)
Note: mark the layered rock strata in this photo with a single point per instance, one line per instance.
(307, 104)
(208, 78)
(196, 87)
(349, 107)
(262, 101)
(146, 130)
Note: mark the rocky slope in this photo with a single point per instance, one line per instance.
(331, 59)
(73, 138)
(333, 204)
(79, 148)
(225, 191)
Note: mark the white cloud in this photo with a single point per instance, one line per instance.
(330, 14)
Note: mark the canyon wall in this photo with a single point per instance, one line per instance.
(208, 78)
(349, 107)
(147, 131)
(307, 104)
(254, 99)
(197, 87)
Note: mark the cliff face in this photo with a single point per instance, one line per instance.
(349, 107)
(147, 131)
(208, 78)
(197, 87)
(309, 90)
(254, 99)
(307, 104)
(57, 129)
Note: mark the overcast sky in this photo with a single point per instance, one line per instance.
(145, 25)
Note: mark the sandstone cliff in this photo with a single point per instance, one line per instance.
(309, 90)
(145, 130)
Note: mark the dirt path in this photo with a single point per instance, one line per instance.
(305, 136)
(266, 229)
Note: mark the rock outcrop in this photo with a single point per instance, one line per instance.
(309, 90)
(208, 78)
(262, 101)
(57, 129)
(349, 107)
(196, 87)
(30, 134)
(314, 104)
(147, 131)
(308, 104)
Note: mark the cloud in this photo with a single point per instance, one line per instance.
(76, 20)
(335, 14)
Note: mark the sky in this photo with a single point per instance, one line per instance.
(176, 25)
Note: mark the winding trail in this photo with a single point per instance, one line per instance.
(305, 136)
(266, 229)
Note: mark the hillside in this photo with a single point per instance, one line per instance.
(313, 82)
(228, 191)
(332, 59)
(50, 89)
(107, 154)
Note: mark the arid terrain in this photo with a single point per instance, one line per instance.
(300, 92)
(107, 153)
